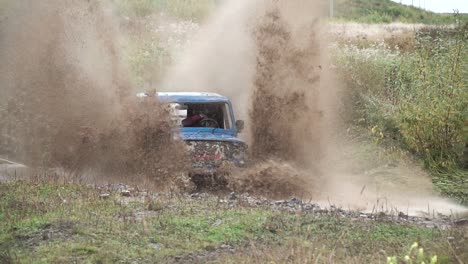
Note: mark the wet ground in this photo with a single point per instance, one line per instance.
(392, 193)
(293, 205)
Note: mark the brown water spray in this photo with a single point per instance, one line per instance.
(267, 57)
(66, 100)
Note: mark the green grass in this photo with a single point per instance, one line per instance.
(364, 11)
(385, 11)
(183, 9)
(56, 223)
(416, 98)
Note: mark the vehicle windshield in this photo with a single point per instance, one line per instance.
(211, 115)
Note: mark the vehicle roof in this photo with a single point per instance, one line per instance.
(189, 97)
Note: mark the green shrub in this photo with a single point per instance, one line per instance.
(376, 17)
(434, 99)
(364, 72)
(418, 98)
(415, 255)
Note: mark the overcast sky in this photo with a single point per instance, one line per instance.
(440, 6)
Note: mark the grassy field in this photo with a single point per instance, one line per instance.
(386, 11)
(64, 223)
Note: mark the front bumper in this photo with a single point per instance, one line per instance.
(210, 157)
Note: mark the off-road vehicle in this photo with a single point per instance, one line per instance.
(206, 123)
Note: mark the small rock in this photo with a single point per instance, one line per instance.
(450, 238)
(125, 193)
(104, 195)
(218, 222)
(232, 196)
(402, 215)
(45, 236)
(461, 222)
(295, 201)
(225, 247)
(155, 246)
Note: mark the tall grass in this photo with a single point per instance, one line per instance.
(433, 97)
(418, 98)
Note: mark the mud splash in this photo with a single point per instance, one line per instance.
(67, 102)
(284, 116)
(284, 113)
(273, 179)
(270, 66)
(66, 97)
(273, 63)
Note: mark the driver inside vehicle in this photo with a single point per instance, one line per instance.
(192, 120)
(202, 115)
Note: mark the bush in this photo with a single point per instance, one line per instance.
(418, 98)
(415, 255)
(434, 99)
(364, 72)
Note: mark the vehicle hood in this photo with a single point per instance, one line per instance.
(210, 135)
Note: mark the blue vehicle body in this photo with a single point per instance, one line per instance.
(201, 133)
(209, 147)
